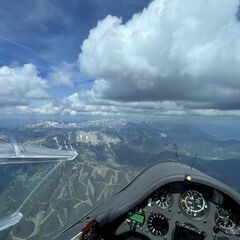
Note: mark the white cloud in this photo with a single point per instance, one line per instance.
(66, 74)
(48, 108)
(183, 52)
(62, 75)
(43, 108)
(20, 84)
(89, 103)
(174, 58)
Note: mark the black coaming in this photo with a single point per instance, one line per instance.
(143, 185)
(150, 180)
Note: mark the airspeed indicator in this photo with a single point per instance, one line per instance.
(193, 204)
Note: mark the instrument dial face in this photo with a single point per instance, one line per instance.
(158, 224)
(226, 222)
(193, 204)
(162, 198)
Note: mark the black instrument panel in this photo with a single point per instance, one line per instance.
(184, 210)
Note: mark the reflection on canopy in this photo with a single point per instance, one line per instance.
(17, 154)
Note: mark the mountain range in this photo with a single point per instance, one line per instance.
(110, 154)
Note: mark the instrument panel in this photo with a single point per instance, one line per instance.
(183, 211)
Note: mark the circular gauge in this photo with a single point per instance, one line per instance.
(226, 223)
(193, 204)
(158, 224)
(162, 198)
(135, 218)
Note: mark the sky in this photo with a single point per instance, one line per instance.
(120, 58)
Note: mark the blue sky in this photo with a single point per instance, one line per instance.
(113, 57)
(47, 32)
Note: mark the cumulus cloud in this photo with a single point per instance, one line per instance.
(63, 75)
(173, 58)
(86, 103)
(66, 74)
(20, 84)
(183, 54)
(46, 108)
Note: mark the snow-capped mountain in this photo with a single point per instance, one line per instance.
(96, 138)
